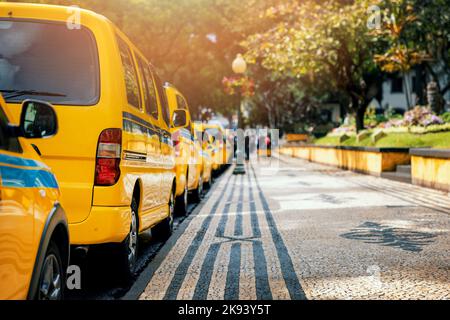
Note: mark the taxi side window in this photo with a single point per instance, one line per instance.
(131, 79)
(151, 104)
(163, 99)
(7, 143)
(181, 103)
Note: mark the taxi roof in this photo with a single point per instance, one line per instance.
(45, 12)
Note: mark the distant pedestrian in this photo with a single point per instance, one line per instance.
(269, 145)
(247, 148)
(235, 146)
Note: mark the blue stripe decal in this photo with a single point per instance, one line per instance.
(185, 134)
(133, 127)
(129, 116)
(20, 162)
(136, 125)
(21, 178)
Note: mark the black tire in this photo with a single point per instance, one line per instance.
(164, 229)
(197, 195)
(128, 249)
(52, 280)
(181, 202)
(210, 182)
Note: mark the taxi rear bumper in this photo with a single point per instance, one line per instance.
(104, 225)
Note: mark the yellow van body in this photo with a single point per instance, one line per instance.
(30, 215)
(124, 95)
(189, 169)
(221, 146)
(206, 151)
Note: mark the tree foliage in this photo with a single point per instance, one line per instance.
(301, 52)
(332, 45)
(192, 43)
(327, 42)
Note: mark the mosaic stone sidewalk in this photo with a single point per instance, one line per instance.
(310, 232)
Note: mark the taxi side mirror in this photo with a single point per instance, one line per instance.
(38, 120)
(179, 119)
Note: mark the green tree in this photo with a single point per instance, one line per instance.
(286, 103)
(327, 42)
(402, 52)
(191, 42)
(432, 34)
(416, 32)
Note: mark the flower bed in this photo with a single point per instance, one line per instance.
(419, 120)
(419, 127)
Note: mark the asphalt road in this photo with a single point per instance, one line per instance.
(302, 231)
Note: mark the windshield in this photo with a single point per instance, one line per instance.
(58, 64)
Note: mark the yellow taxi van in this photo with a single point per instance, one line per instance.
(203, 143)
(113, 154)
(222, 154)
(189, 170)
(34, 236)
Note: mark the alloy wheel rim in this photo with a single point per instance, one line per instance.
(171, 211)
(200, 187)
(185, 196)
(132, 243)
(50, 285)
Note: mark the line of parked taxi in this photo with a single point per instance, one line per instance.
(113, 153)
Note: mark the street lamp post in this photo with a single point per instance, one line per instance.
(239, 67)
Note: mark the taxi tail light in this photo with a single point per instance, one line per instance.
(177, 147)
(176, 144)
(109, 150)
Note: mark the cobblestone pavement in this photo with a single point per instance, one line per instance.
(309, 231)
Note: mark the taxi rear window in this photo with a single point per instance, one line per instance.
(48, 61)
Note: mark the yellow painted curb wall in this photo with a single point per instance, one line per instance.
(370, 162)
(431, 172)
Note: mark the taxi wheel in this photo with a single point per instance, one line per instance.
(164, 229)
(198, 193)
(207, 184)
(181, 202)
(129, 248)
(51, 281)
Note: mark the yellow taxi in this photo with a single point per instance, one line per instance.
(222, 147)
(189, 170)
(34, 237)
(204, 145)
(113, 154)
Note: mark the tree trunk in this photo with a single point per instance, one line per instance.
(407, 90)
(421, 84)
(360, 114)
(434, 97)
